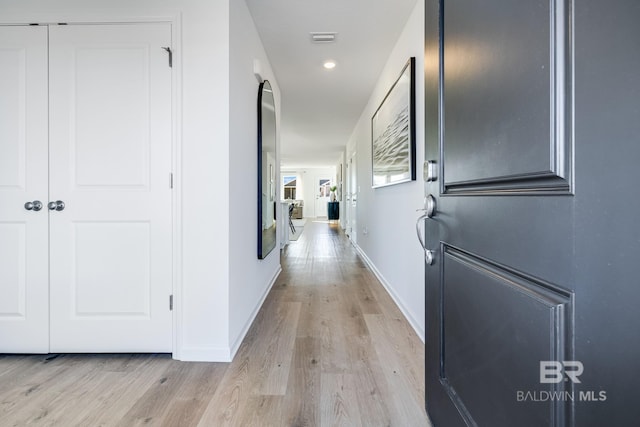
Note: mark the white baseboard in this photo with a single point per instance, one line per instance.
(254, 313)
(396, 299)
(204, 354)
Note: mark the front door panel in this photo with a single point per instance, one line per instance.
(500, 296)
(110, 145)
(532, 115)
(24, 287)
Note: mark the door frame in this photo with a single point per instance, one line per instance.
(173, 18)
(352, 204)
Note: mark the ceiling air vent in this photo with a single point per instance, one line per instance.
(323, 37)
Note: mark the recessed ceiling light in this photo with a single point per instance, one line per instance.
(329, 65)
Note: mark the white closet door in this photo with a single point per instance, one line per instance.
(24, 296)
(110, 163)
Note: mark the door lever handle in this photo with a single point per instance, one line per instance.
(419, 232)
(428, 253)
(429, 211)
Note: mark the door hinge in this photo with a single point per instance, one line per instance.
(170, 52)
(171, 180)
(170, 302)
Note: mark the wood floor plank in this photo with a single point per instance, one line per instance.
(225, 407)
(310, 300)
(335, 355)
(303, 390)
(351, 314)
(199, 387)
(119, 392)
(273, 370)
(77, 400)
(262, 411)
(151, 406)
(17, 370)
(371, 386)
(398, 375)
(364, 295)
(338, 402)
(38, 403)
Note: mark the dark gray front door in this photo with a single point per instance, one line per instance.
(533, 118)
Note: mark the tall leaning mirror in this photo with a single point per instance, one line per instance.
(266, 170)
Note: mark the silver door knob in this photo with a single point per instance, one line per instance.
(429, 206)
(58, 205)
(36, 205)
(429, 256)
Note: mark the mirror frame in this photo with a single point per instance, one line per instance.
(263, 251)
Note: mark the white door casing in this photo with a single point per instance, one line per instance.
(24, 300)
(110, 163)
(323, 183)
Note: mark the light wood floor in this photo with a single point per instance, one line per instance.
(328, 348)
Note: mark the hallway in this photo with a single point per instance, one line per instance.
(329, 347)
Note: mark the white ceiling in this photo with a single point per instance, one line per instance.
(320, 107)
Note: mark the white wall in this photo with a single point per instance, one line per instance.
(250, 278)
(386, 216)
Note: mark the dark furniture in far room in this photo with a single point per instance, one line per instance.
(333, 210)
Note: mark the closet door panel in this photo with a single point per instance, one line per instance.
(110, 163)
(24, 287)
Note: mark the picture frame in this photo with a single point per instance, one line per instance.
(393, 132)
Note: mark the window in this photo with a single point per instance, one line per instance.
(289, 187)
(324, 187)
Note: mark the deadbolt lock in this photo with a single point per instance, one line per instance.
(430, 171)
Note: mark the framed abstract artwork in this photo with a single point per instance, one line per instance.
(393, 132)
